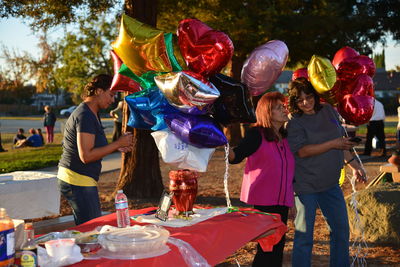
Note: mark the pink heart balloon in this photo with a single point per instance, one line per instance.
(356, 109)
(264, 65)
(206, 51)
(351, 67)
(300, 73)
(343, 53)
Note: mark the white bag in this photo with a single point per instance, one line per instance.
(181, 154)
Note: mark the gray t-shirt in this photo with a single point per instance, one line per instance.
(321, 172)
(82, 120)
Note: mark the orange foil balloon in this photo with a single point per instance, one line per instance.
(141, 47)
(322, 74)
(341, 54)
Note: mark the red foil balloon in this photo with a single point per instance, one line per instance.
(356, 109)
(341, 54)
(121, 82)
(206, 51)
(351, 67)
(362, 85)
(300, 73)
(183, 183)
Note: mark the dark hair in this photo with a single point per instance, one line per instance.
(295, 88)
(264, 113)
(21, 130)
(102, 81)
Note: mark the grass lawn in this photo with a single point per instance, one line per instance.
(30, 158)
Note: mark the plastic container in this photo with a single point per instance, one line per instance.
(7, 236)
(122, 210)
(135, 242)
(60, 248)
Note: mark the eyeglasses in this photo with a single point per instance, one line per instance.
(308, 98)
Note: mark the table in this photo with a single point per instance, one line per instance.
(215, 239)
(29, 194)
(393, 169)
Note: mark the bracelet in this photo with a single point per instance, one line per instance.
(348, 162)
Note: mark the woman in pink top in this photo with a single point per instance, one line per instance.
(269, 171)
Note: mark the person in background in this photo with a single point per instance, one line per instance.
(1, 146)
(84, 146)
(19, 136)
(320, 149)
(49, 120)
(268, 175)
(376, 127)
(39, 132)
(116, 114)
(398, 125)
(33, 141)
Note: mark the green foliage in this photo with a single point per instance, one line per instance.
(307, 27)
(84, 54)
(379, 59)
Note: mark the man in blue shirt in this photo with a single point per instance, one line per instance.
(34, 140)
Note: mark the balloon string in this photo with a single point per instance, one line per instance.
(226, 176)
(359, 245)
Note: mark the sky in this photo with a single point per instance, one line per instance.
(15, 34)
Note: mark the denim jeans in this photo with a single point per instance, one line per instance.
(333, 207)
(84, 201)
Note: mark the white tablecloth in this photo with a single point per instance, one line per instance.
(29, 194)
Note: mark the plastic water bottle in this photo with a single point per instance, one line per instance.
(121, 206)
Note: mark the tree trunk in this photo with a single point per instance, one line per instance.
(140, 175)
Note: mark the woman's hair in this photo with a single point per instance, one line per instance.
(102, 81)
(295, 88)
(264, 115)
(32, 131)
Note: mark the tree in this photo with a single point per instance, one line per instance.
(379, 59)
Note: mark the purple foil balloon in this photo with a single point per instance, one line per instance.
(199, 131)
(264, 65)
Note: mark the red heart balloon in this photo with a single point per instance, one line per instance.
(300, 73)
(342, 53)
(121, 82)
(362, 85)
(206, 51)
(356, 109)
(351, 67)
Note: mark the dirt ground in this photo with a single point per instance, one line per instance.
(211, 193)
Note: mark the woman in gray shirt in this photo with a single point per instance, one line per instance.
(316, 139)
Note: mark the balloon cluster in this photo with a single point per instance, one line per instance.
(176, 89)
(346, 82)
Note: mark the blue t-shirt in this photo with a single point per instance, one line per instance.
(34, 140)
(82, 120)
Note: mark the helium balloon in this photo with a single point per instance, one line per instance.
(343, 53)
(300, 73)
(121, 82)
(356, 109)
(235, 104)
(146, 80)
(187, 91)
(181, 154)
(147, 109)
(141, 47)
(206, 51)
(199, 131)
(264, 65)
(174, 54)
(362, 85)
(322, 74)
(351, 67)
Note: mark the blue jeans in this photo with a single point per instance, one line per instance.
(333, 207)
(84, 201)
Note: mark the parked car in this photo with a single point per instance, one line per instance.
(67, 111)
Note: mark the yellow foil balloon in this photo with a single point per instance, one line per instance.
(322, 74)
(141, 47)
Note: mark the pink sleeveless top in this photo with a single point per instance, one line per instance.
(268, 175)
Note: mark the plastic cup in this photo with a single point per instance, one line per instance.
(60, 248)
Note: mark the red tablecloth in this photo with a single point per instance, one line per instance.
(215, 239)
